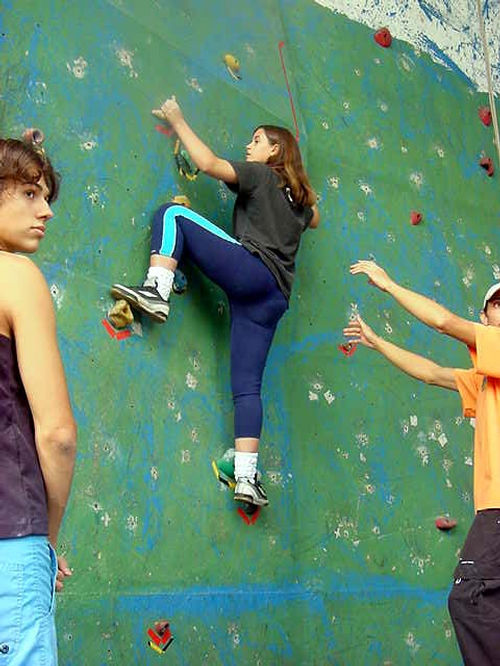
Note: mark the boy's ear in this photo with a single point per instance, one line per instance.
(483, 317)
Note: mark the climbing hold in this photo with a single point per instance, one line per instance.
(161, 637)
(347, 348)
(121, 314)
(223, 468)
(487, 164)
(444, 523)
(415, 217)
(181, 200)
(119, 335)
(161, 626)
(485, 115)
(233, 65)
(180, 282)
(383, 37)
(33, 135)
(183, 162)
(249, 513)
(168, 131)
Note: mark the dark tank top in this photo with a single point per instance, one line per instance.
(23, 504)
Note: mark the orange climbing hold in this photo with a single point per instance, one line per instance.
(487, 164)
(415, 217)
(485, 115)
(383, 37)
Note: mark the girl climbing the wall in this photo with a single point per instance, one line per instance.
(37, 430)
(255, 267)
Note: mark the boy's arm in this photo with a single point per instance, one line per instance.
(412, 364)
(204, 158)
(428, 311)
(32, 320)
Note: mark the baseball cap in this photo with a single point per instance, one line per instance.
(490, 293)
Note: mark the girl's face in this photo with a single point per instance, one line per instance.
(24, 213)
(259, 149)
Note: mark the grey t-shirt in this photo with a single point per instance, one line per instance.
(266, 221)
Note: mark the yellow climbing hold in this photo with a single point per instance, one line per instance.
(121, 314)
(155, 647)
(181, 200)
(233, 65)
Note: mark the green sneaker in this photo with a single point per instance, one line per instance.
(224, 469)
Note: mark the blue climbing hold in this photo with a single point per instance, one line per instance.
(180, 282)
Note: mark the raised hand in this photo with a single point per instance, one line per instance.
(376, 275)
(169, 111)
(358, 331)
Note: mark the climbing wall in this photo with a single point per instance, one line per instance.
(346, 566)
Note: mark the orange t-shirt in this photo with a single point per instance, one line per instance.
(479, 389)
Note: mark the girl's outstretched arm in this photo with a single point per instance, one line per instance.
(204, 158)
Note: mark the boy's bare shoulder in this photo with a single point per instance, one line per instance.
(15, 268)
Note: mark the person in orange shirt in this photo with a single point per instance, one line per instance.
(474, 600)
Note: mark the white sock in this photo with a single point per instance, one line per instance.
(245, 465)
(162, 279)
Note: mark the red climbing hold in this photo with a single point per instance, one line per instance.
(113, 333)
(487, 164)
(383, 37)
(415, 217)
(347, 348)
(485, 115)
(161, 637)
(249, 518)
(444, 523)
(164, 130)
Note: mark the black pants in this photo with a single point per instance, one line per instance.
(474, 600)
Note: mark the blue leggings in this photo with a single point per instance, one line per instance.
(255, 300)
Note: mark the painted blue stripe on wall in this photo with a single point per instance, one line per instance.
(261, 597)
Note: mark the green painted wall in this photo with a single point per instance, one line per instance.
(346, 566)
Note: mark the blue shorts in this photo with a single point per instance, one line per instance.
(28, 570)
